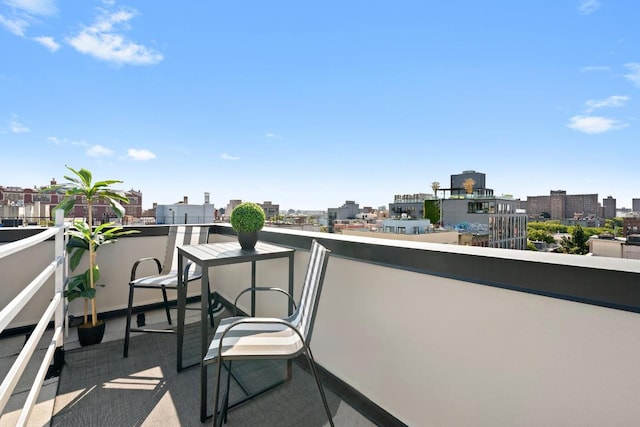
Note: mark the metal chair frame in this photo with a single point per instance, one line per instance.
(300, 322)
(169, 276)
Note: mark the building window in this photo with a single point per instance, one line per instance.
(41, 198)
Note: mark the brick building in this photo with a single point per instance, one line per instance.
(28, 197)
(560, 205)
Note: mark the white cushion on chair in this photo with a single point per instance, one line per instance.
(170, 279)
(261, 340)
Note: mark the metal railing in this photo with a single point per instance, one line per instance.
(55, 309)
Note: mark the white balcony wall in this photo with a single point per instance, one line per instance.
(115, 261)
(435, 351)
(430, 350)
(440, 352)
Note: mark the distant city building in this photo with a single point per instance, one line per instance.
(406, 226)
(615, 248)
(480, 218)
(473, 209)
(498, 218)
(468, 182)
(409, 205)
(185, 213)
(631, 224)
(635, 205)
(560, 205)
(230, 207)
(36, 204)
(444, 237)
(348, 210)
(271, 211)
(609, 207)
(620, 212)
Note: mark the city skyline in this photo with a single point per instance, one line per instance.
(310, 105)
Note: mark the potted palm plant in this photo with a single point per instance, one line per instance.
(86, 239)
(247, 219)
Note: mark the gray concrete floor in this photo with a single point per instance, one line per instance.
(163, 397)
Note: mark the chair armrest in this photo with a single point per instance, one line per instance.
(262, 288)
(185, 276)
(138, 262)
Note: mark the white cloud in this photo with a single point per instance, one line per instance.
(48, 42)
(226, 156)
(65, 141)
(99, 151)
(634, 75)
(34, 7)
(271, 135)
(595, 68)
(23, 12)
(612, 101)
(588, 6)
(594, 124)
(14, 25)
(140, 154)
(16, 127)
(103, 40)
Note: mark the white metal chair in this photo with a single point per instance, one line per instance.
(238, 338)
(167, 276)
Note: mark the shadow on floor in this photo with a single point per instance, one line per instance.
(99, 387)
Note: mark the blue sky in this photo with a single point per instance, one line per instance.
(309, 104)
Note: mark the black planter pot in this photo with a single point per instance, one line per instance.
(248, 239)
(89, 334)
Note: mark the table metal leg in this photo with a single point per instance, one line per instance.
(182, 297)
(253, 286)
(204, 341)
(289, 362)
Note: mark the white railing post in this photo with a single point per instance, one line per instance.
(56, 309)
(60, 275)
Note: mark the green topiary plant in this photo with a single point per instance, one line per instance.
(247, 217)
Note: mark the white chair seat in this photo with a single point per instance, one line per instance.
(247, 340)
(169, 279)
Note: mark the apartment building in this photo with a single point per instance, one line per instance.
(609, 208)
(409, 205)
(348, 210)
(271, 211)
(560, 205)
(473, 209)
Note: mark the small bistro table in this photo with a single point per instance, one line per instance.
(211, 255)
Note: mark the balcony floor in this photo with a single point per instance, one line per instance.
(98, 386)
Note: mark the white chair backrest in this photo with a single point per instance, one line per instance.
(182, 235)
(304, 316)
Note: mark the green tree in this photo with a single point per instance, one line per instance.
(540, 236)
(435, 186)
(551, 227)
(577, 243)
